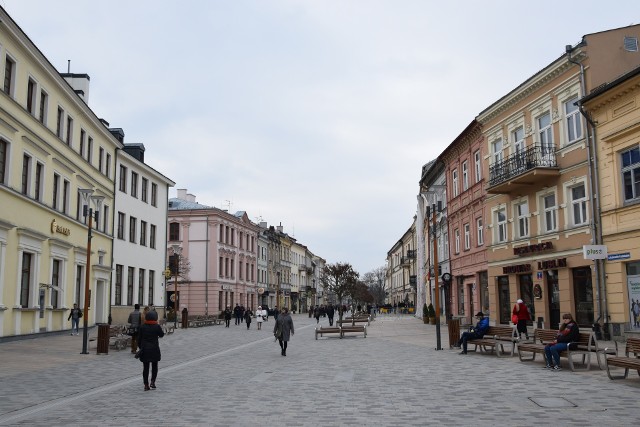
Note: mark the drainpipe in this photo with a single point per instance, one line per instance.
(594, 184)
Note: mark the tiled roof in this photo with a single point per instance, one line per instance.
(179, 204)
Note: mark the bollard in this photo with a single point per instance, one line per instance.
(103, 338)
(185, 318)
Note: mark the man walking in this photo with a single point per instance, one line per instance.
(134, 324)
(236, 314)
(75, 316)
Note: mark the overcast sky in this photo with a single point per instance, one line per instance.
(315, 114)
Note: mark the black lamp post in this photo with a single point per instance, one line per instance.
(431, 211)
(176, 269)
(88, 213)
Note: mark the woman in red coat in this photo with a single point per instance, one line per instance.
(521, 311)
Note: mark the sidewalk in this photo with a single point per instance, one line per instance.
(234, 377)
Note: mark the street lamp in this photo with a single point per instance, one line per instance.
(278, 291)
(431, 211)
(88, 199)
(177, 250)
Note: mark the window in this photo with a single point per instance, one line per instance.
(118, 296)
(26, 168)
(83, 137)
(90, 150)
(107, 166)
(478, 165)
(465, 176)
(501, 225)
(4, 149)
(134, 185)
(79, 278)
(454, 182)
(123, 179)
(456, 234)
(154, 194)
(143, 233)
(152, 236)
(174, 232)
(60, 122)
(69, 130)
(55, 281)
(56, 185)
(496, 147)
(100, 159)
(38, 186)
(480, 231)
(130, 275)
(105, 216)
(141, 282)
(9, 75)
(579, 205)
(121, 219)
(152, 275)
(31, 96)
(631, 174)
(467, 237)
(25, 279)
(144, 190)
(549, 206)
(631, 44)
(572, 116)
(133, 221)
(44, 107)
(545, 133)
(65, 196)
(522, 215)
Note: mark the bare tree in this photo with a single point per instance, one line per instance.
(374, 279)
(339, 279)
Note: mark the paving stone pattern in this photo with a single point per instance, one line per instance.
(217, 376)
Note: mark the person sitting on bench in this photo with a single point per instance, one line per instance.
(477, 332)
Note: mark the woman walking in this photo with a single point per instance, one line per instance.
(149, 353)
(247, 317)
(259, 317)
(283, 329)
(521, 313)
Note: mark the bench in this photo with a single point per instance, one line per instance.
(353, 329)
(630, 360)
(496, 338)
(353, 321)
(584, 346)
(328, 330)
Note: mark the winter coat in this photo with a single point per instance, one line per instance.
(148, 335)
(135, 319)
(570, 333)
(522, 312)
(286, 325)
(482, 326)
(227, 314)
(247, 316)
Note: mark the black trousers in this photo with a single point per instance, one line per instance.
(145, 372)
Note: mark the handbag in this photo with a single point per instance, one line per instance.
(514, 318)
(138, 354)
(278, 332)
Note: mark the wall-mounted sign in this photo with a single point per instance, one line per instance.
(531, 249)
(55, 228)
(227, 287)
(260, 291)
(552, 264)
(594, 251)
(537, 291)
(519, 268)
(618, 257)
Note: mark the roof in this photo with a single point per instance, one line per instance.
(179, 204)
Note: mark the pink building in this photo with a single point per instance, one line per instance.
(463, 159)
(217, 253)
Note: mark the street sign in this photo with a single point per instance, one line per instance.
(594, 251)
(618, 257)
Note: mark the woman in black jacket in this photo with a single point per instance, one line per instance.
(149, 347)
(568, 333)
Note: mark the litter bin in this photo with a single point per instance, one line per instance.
(185, 318)
(103, 338)
(454, 331)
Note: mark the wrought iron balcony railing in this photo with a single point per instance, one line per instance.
(521, 162)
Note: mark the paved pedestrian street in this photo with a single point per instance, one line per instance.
(233, 377)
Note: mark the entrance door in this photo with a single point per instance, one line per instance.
(472, 307)
(583, 292)
(526, 293)
(504, 300)
(553, 295)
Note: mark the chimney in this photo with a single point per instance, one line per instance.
(79, 83)
(135, 150)
(117, 133)
(182, 194)
(263, 224)
(191, 198)
(279, 228)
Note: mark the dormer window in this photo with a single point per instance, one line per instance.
(631, 44)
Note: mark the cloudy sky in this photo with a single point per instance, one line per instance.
(315, 114)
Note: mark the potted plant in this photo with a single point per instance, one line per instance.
(425, 313)
(432, 315)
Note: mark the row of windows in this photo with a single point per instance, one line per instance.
(226, 269)
(477, 174)
(147, 234)
(133, 290)
(37, 105)
(467, 235)
(136, 181)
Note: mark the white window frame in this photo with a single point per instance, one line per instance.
(497, 148)
(572, 120)
(454, 182)
(465, 175)
(501, 232)
(549, 214)
(467, 237)
(545, 133)
(478, 164)
(582, 204)
(456, 234)
(480, 233)
(522, 225)
(632, 169)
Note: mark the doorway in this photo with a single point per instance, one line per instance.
(504, 300)
(553, 292)
(526, 293)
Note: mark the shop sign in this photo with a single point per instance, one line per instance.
(552, 264)
(227, 287)
(55, 228)
(531, 249)
(519, 268)
(594, 251)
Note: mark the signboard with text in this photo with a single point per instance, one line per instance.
(594, 251)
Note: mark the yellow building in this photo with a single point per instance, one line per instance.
(614, 109)
(52, 146)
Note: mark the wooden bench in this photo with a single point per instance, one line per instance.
(328, 330)
(353, 321)
(353, 329)
(584, 346)
(496, 338)
(630, 360)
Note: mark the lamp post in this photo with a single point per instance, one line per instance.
(278, 291)
(88, 199)
(431, 211)
(176, 269)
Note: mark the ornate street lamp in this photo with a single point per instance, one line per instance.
(432, 211)
(88, 212)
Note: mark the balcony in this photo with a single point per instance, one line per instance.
(535, 166)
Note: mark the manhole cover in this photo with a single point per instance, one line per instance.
(552, 402)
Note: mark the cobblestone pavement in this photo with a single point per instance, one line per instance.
(233, 377)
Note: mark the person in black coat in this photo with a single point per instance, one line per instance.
(149, 347)
(227, 317)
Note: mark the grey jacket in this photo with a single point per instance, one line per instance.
(135, 318)
(286, 324)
